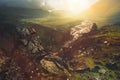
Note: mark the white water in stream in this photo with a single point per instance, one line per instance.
(78, 31)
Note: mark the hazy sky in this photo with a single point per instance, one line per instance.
(103, 6)
(21, 3)
(40, 2)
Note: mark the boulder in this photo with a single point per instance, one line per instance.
(94, 27)
(24, 41)
(54, 65)
(23, 32)
(35, 50)
(36, 40)
(31, 45)
(103, 71)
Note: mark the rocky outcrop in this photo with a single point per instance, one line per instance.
(49, 62)
(76, 56)
(31, 40)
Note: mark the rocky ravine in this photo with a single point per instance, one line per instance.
(24, 57)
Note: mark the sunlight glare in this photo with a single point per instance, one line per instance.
(71, 6)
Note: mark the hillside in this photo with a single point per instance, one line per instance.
(26, 50)
(103, 12)
(39, 45)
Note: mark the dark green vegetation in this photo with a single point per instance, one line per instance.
(30, 55)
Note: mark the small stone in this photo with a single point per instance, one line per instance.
(32, 31)
(41, 48)
(24, 41)
(25, 32)
(68, 79)
(70, 46)
(82, 54)
(37, 69)
(32, 71)
(30, 45)
(105, 42)
(103, 71)
(38, 74)
(79, 51)
(35, 50)
(92, 49)
(31, 77)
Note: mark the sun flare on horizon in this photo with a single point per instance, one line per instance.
(73, 7)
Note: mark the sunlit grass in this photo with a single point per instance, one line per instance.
(54, 22)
